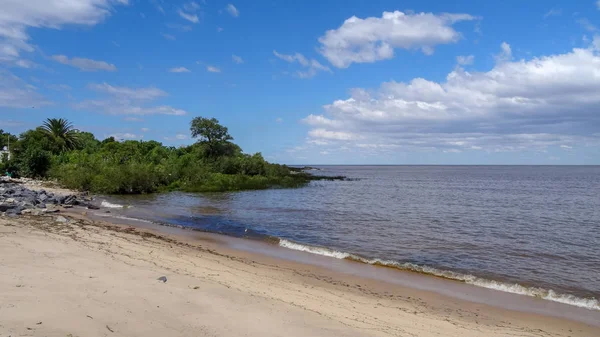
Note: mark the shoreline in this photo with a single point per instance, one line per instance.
(464, 277)
(410, 278)
(309, 290)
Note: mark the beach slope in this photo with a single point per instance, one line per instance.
(86, 278)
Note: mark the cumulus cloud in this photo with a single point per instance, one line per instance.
(375, 38)
(525, 105)
(128, 101)
(179, 70)
(312, 66)
(16, 17)
(212, 69)
(232, 10)
(84, 64)
(237, 59)
(465, 60)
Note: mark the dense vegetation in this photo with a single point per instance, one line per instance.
(78, 160)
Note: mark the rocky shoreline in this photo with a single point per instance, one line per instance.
(16, 198)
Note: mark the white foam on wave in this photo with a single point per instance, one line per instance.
(107, 204)
(514, 288)
(312, 249)
(121, 217)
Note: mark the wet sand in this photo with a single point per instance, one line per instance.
(93, 278)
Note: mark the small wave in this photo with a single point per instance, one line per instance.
(122, 217)
(314, 250)
(514, 288)
(107, 204)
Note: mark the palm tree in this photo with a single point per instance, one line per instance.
(62, 133)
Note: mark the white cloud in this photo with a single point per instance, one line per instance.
(179, 70)
(168, 36)
(598, 4)
(124, 108)
(191, 6)
(145, 129)
(587, 25)
(212, 69)
(128, 101)
(232, 10)
(179, 136)
(16, 17)
(58, 87)
(124, 136)
(190, 17)
(566, 147)
(524, 105)
(326, 134)
(16, 93)
(219, 29)
(373, 39)
(279, 120)
(465, 60)
(84, 64)
(133, 119)
(505, 54)
(129, 93)
(237, 59)
(553, 12)
(313, 66)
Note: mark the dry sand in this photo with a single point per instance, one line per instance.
(86, 278)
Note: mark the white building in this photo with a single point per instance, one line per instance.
(4, 154)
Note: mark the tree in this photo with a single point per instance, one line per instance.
(62, 133)
(211, 133)
(5, 138)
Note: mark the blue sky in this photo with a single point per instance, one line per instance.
(307, 82)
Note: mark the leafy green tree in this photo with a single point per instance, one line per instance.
(5, 137)
(209, 132)
(62, 133)
(35, 162)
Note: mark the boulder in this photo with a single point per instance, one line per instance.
(7, 207)
(15, 210)
(70, 200)
(61, 219)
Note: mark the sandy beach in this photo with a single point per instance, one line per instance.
(91, 278)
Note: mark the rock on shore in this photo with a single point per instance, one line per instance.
(16, 199)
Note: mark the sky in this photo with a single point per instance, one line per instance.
(315, 82)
